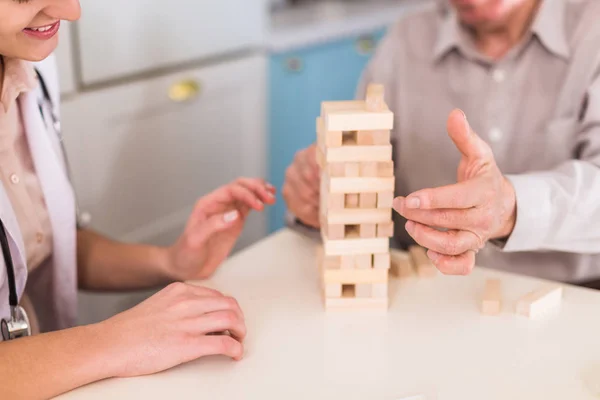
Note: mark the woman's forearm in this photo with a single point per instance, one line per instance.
(104, 264)
(47, 365)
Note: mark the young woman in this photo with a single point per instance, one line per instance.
(46, 257)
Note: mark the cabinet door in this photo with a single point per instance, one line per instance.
(299, 82)
(140, 159)
(125, 37)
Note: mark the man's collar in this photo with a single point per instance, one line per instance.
(548, 26)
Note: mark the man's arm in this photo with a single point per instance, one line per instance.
(104, 264)
(559, 210)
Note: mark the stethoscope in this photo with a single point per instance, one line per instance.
(18, 325)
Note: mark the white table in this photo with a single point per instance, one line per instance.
(433, 341)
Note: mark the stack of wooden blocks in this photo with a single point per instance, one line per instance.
(357, 189)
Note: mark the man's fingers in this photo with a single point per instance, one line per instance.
(465, 139)
(466, 194)
(221, 321)
(461, 264)
(218, 345)
(452, 242)
(299, 189)
(243, 194)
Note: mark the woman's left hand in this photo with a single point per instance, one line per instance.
(214, 226)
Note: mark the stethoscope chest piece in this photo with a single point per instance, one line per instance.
(17, 327)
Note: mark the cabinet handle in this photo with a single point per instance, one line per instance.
(185, 90)
(365, 45)
(294, 64)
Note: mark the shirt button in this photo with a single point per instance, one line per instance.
(39, 237)
(496, 135)
(499, 75)
(14, 178)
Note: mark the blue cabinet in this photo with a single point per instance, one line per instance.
(299, 81)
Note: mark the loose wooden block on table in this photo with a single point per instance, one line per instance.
(540, 302)
(491, 303)
(422, 263)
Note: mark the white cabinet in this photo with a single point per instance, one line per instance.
(120, 38)
(140, 160)
(65, 59)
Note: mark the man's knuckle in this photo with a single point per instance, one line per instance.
(177, 287)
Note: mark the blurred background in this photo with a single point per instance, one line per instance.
(165, 101)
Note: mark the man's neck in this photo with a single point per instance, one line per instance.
(497, 41)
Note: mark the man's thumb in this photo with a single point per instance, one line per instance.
(466, 140)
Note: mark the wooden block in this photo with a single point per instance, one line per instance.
(355, 276)
(401, 264)
(368, 169)
(382, 261)
(336, 169)
(354, 304)
(355, 246)
(325, 138)
(367, 200)
(375, 100)
(379, 290)
(346, 262)
(491, 303)
(335, 202)
(351, 200)
(334, 231)
(351, 169)
(422, 263)
(385, 199)
(540, 303)
(385, 169)
(359, 120)
(385, 229)
(373, 138)
(358, 216)
(330, 262)
(363, 261)
(361, 185)
(349, 153)
(333, 290)
(368, 230)
(363, 291)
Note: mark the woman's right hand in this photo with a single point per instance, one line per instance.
(173, 327)
(302, 186)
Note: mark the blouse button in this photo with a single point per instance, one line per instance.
(14, 178)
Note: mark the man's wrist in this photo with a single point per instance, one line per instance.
(509, 204)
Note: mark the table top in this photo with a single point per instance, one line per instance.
(432, 341)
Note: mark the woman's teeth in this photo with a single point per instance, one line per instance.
(42, 29)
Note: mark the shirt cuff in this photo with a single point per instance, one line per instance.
(534, 214)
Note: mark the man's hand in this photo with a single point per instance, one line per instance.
(301, 187)
(480, 207)
(214, 226)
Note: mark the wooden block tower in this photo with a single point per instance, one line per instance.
(357, 188)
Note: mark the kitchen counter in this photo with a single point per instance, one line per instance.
(306, 25)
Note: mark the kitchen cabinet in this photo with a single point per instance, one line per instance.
(150, 35)
(143, 152)
(298, 82)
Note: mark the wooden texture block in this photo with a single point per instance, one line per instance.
(325, 138)
(333, 231)
(385, 199)
(355, 153)
(360, 185)
(374, 98)
(351, 169)
(382, 261)
(330, 262)
(368, 230)
(385, 229)
(333, 290)
(335, 202)
(540, 303)
(385, 169)
(355, 246)
(367, 200)
(358, 216)
(352, 200)
(368, 169)
(379, 290)
(422, 263)
(491, 303)
(363, 120)
(373, 138)
(346, 262)
(401, 264)
(355, 276)
(363, 261)
(363, 291)
(336, 169)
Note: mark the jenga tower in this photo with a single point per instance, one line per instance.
(357, 188)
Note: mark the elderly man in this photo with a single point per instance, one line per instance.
(516, 183)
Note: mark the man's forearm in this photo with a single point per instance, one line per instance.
(104, 264)
(557, 210)
(47, 365)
